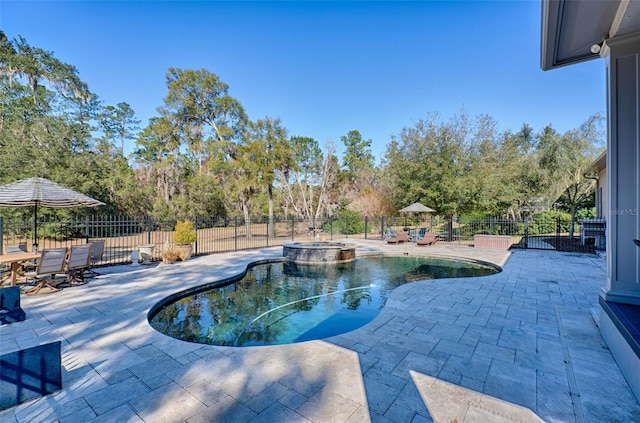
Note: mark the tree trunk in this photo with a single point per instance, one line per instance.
(247, 221)
(573, 221)
(271, 224)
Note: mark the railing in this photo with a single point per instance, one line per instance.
(123, 235)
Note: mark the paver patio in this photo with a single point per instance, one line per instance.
(521, 345)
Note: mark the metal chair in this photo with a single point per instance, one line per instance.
(16, 248)
(50, 263)
(97, 249)
(78, 261)
(27, 266)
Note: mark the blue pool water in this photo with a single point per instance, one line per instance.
(282, 302)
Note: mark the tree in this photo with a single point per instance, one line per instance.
(21, 60)
(357, 160)
(429, 163)
(160, 161)
(46, 122)
(269, 139)
(299, 177)
(209, 119)
(564, 160)
(119, 123)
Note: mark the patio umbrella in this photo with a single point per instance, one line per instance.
(42, 192)
(415, 208)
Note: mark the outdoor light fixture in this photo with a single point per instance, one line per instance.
(595, 49)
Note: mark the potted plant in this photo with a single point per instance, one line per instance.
(170, 255)
(183, 237)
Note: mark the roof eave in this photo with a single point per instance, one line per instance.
(550, 35)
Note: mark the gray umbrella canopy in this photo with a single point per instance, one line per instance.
(42, 192)
(416, 208)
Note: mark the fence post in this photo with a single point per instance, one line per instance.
(331, 228)
(366, 226)
(235, 233)
(293, 229)
(148, 229)
(346, 227)
(526, 233)
(1, 234)
(268, 221)
(195, 226)
(382, 228)
(86, 228)
(558, 227)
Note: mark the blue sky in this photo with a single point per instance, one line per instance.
(323, 68)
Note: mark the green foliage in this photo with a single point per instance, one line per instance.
(587, 213)
(49, 231)
(357, 159)
(203, 156)
(347, 222)
(184, 233)
(549, 222)
(490, 226)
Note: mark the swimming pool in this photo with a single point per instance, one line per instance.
(284, 302)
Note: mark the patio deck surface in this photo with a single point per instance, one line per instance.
(521, 346)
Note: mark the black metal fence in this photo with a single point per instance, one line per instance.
(123, 235)
(539, 232)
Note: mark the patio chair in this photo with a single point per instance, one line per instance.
(401, 237)
(18, 248)
(97, 249)
(50, 263)
(429, 238)
(78, 261)
(390, 233)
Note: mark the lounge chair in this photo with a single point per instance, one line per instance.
(50, 263)
(390, 233)
(79, 260)
(429, 238)
(401, 237)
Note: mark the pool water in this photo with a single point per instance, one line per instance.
(283, 302)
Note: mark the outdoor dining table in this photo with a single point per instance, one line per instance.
(16, 260)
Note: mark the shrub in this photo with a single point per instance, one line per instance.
(184, 233)
(348, 222)
(548, 222)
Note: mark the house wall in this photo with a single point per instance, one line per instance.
(601, 194)
(623, 163)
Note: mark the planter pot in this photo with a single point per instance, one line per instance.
(169, 259)
(146, 252)
(184, 251)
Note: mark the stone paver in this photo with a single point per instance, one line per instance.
(521, 345)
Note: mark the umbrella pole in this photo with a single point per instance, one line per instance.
(34, 247)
